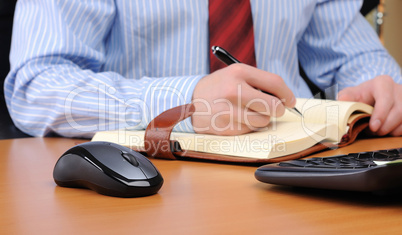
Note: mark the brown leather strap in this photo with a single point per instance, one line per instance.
(157, 141)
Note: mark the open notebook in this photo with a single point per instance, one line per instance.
(323, 121)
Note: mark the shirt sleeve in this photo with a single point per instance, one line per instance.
(339, 47)
(57, 84)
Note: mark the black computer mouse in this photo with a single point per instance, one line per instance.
(108, 169)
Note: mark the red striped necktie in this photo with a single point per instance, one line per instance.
(231, 27)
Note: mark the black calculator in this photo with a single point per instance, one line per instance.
(364, 171)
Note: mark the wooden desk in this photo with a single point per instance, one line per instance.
(196, 198)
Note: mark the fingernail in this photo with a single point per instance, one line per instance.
(375, 125)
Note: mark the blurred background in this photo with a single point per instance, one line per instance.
(386, 19)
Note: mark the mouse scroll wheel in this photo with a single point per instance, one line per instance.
(130, 158)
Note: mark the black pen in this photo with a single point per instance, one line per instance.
(228, 59)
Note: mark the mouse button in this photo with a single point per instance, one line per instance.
(114, 163)
(130, 158)
(147, 167)
(101, 152)
(120, 147)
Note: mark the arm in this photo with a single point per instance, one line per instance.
(57, 82)
(339, 48)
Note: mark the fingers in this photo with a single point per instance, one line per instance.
(230, 102)
(266, 82)
(227, 119)
(234, 122)
(349, 94)
(392, 123)
(361, 93)
(253, 120)
(239, 121)
(385, 96)
(260, 102)
(397, 131)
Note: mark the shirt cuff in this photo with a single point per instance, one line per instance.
(354, 75)
(162, 94)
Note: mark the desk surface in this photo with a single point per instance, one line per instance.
(196, 198)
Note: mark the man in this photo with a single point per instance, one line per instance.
(81, 67)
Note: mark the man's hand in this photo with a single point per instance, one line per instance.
(230, 102)
(386, 97)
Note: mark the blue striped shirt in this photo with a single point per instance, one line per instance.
(78, 67)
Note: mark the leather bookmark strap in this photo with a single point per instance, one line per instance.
(157, 141)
